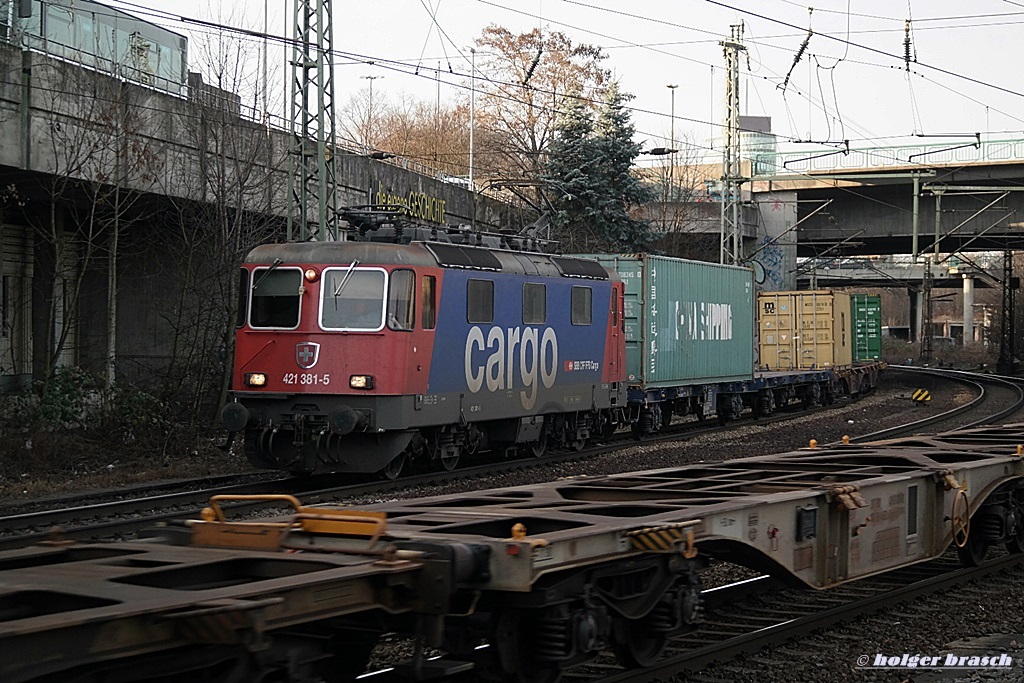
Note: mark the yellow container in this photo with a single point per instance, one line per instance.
(804, 330)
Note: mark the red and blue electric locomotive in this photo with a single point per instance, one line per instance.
(363, 356)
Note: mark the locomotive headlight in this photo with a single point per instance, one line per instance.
(361, 381)
(311, 275)
(256, 379)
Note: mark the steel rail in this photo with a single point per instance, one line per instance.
(975, 380)
(120, 518)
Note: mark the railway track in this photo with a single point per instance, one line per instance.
(998, 398)
(120, 518)
(107, 519)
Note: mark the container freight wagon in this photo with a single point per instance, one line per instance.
(689, 329)
(804, 330)
(866, 310)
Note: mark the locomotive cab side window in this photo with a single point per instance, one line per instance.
(352, 299)
(243, 297)
(480, 301)
(582, 305)
(534, 304)
(428, 304)
(400, 300)
(276, 299)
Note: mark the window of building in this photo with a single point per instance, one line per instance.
(401, 297)
(534, 304)
(480, 301)
(582, 305)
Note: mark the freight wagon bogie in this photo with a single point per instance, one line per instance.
(567, 618)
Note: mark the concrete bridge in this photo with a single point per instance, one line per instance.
(125, 203)
(902, 200)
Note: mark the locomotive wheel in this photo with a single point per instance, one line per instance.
(538, 447)
(450, 459)
(635, 643)
(394, 468)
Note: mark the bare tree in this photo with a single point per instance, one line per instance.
(235, 201)
(97, 162)
(682, 212)
(435, 134)
(528, 78)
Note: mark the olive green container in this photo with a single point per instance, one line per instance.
(866, 310)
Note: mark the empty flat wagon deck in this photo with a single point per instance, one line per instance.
(550, 575)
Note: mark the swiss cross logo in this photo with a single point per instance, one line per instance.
(307, 354)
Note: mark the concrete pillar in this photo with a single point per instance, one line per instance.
(968, 309)
(916, 315)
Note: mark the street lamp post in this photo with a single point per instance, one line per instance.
(369, 113)
(472, 111)
(672, 144)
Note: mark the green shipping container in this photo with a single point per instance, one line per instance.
(867, 327)
(687, 322)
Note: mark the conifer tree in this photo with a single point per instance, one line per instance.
(588, 174)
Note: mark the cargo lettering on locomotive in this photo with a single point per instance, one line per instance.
(704, 320)
(537, 359)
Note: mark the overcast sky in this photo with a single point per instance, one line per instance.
(851, 82)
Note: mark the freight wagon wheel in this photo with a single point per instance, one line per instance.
(1016, 542)
(764, 404)
(812, 395)
(635, 643)
(514, 637)
(971, 549)
(348, 654)
(828, 394)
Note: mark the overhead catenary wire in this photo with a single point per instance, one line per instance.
(399, 66)
(799, 54)
(847, 43)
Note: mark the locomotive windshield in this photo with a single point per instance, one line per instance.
(352, 299)
(276, 297)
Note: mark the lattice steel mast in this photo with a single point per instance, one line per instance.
(312, 183)
(1007, 356)
(731, 247)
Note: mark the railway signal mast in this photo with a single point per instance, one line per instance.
(312, 184)
(731, 248)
